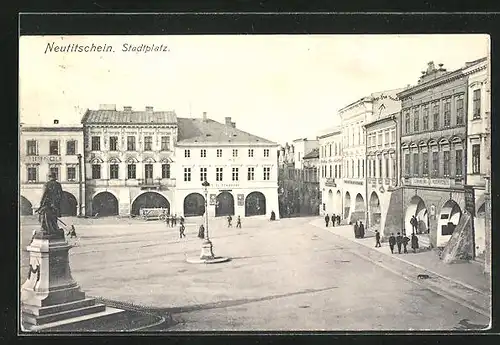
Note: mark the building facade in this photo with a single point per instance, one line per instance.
(56, 149)
(301, 147)
(242, 170)
(331, 169)
(433, 152)
(129, 159)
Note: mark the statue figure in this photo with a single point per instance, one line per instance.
(50, 206)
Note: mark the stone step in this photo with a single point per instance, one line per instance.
(34, 310)
(68, 314)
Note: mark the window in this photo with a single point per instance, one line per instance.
(407, 164)
(96, 171)
(32, 174)
(131, 171)
(148, 143)
(407, 122)
(331, 170)
(460, 110)
(358, 166)
(370, 168)
(435, 164)
(340, 171)
(203, 153)
(336, 172)
(71, 147)
(96, 144)
(447, 112)
(416, 119)
(446, 165)
(235, 174)
(71, 173)
(476, 159)
(219, 153)
(165, 143)
(113, 143)
(386, 137)
(387, 167)
(415, 164)
(203, 174)
(250, 152)
(425, 118)
(435, 115)
(113, 171)
(187, 174)
(165, 170)
(130, 143)
(476, 104)
(31, 148)
(55, 171)
(380, 138)
(380, 167)
(187, 153)
(218, 174)
(363, 168)
(54, 148)
(330, 148)
(267, 173)
(459, 162)
(266, 152)
(425, 164)
(235, 153)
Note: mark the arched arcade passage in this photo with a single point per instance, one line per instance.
(25, 207)
(329, 207)
(104, 204)
(448, 218)
(149, 200)
(359, 209)
(255, 204)
(375, 211)
(224, 205)
(347, 205)
(418, 209)
(338, 203)
(194, 205)
(68, 205)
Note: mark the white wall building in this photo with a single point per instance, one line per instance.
(51, 149)
(302, 147)
(330, 156)
(242, 170)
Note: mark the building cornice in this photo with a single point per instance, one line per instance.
(444, 79)
(51, 129)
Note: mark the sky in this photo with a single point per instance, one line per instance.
(279, 87)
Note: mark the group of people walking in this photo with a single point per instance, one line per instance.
(172, 220)
(334, 219)
(402, 241)
(230, 222)
(359, 230)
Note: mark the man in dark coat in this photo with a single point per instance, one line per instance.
(406, 240)
(174, 219)
(50, 206)
(327, 220)
(273, 215)
(238, 222)
(377, 239)
(392, 242)
(201, 232)
(361, 230)
(229, 221)
(338, 220)
(414, 242)
(333, 219)
(399, 242)
(356, 230)
(414, 223)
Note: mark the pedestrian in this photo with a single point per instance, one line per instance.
(201, 232)
(72, 231)
(356, 230)
(167, 220)
(273, 215)
(327, 220)
(377, 239)
(406, 240)
(399, 242)
(175, 219)
(414, 223)
(229, 220)
(172, 221)
(361, 230)
(333, 219)
(414, 242)
(182, 228)
(392, 242)
(238, 222)
(338, 220)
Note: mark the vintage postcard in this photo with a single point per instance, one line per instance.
(207, 183)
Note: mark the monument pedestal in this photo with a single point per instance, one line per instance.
(50, 294)
(207, 255)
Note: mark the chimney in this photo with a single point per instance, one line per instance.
(233, 124)
(228, 121)
(148, 108)
(56, 122)
(127, 108)
(204, 116)
(107, 106)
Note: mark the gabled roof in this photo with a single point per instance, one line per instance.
(313, 154)
(129, 117)
(192, 131)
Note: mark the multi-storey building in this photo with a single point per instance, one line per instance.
(354, 117)
(478, 142)
(311, 166)
(302, 147)
(382, 169)
(433, 149)
(242, 170)
(53, 149)
(330, 158)
(128, 158)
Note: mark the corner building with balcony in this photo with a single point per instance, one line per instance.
(241, 168)
(129, 157)
(330, 171)
(51, 149)
(434, 152)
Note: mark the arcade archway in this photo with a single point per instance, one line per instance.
(25, 207)
(448, 218)
(359, 209)
(330, 207)
(338, 203)
(255, 204)
(224, 205)
(347, 205)
(104, 204)
(68, 205)
(149, 200)
(375, 212)
(194, 205)
(418, 209)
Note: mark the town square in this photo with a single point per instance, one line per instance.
(227, 198)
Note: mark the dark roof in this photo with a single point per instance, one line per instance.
(198, 131)
(125, 117)
(313, 154)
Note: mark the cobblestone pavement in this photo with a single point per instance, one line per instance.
(284, 275)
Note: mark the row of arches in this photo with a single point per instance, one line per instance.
(106, 204)
(68, 205)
